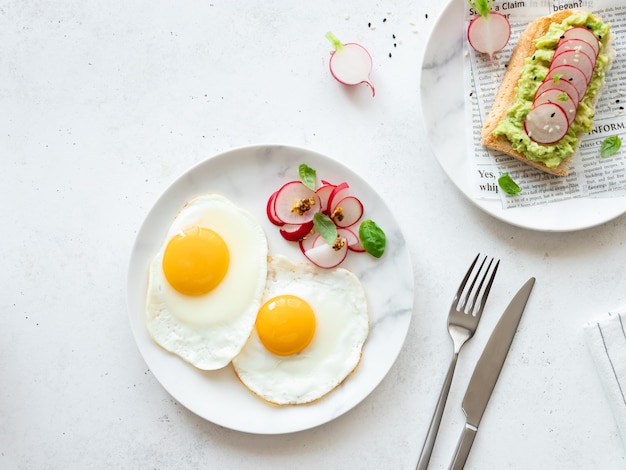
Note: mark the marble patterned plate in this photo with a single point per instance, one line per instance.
(443, 112)
(248, 176)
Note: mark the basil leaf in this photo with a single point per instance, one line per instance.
(610, 146)
(325, 226)
(307, 176)
(372, 238)
(508, 185)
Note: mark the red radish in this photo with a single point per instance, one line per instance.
(576, 45)
(346, 212)
(327, 256)
(562, 85)
(354, 244)
(296, 232)
(337, 193)
(271, 214)
(546, 123)
(350, 63)
(570, 74)
(307, 242)
(324, 193)
(577, 59)
(488, 32)
(295, 203)
(583, 34)
(560, 98)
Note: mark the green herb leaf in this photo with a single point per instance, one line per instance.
(325, 226)
(562, 97)
(508, 185)
(307, 176)
(610, 146)
(483, 7)
(372, 238)
(333, 39)
(556, 77)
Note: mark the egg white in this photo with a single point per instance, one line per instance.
(339, 302)
(210, 329)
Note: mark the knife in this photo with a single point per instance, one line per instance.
(487, 371)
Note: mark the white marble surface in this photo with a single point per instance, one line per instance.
(105, 104)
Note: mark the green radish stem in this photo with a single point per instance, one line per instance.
(336, 42)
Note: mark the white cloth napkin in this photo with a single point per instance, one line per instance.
(606, 339)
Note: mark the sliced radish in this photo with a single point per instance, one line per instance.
(346, 212)
(570, 74)
(562, 85)
(489, 33)
(295, 203)
(560, 98)
(350, 64)
(576, 45)
(308, 241)
(577, 59)
(338, 192)
(326, 256)
(296, 232)
(354, 244)
(271, 213)
(324, 193)
(583, 34)
(546, 123)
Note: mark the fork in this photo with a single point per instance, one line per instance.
(462, 323)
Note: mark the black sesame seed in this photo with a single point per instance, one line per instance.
(521, 140)
(552, 115)
(369, 25)
(393, 36)
(395, 45)
(471, 93)
(621, 107)
(562, 37)
(384, 20)
(390, 54)
(533, 57)
(426, 15)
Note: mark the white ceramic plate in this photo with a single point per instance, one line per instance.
(248, 176)
(444, 117)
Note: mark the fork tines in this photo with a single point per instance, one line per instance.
(482, 289)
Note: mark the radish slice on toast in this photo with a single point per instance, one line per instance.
(577, 59)
(562, 85)
(560, 98)
(583, 34)
(570, 74)
(576, 45)
(546, 123)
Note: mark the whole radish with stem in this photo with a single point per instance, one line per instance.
(489, 32)
(350, 63)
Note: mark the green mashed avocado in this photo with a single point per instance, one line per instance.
(533, 74)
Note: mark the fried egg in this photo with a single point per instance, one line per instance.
(205, 284)
(308, 334)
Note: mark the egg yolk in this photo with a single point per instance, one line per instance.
(285, 324)
(195, 261)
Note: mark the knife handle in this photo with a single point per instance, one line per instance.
(463, 447)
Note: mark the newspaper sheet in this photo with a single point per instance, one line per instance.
(591, 175)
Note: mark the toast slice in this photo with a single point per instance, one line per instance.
(505, 97)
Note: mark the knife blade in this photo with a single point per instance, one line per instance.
(487, 370)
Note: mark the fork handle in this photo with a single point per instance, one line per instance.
(429, 444)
